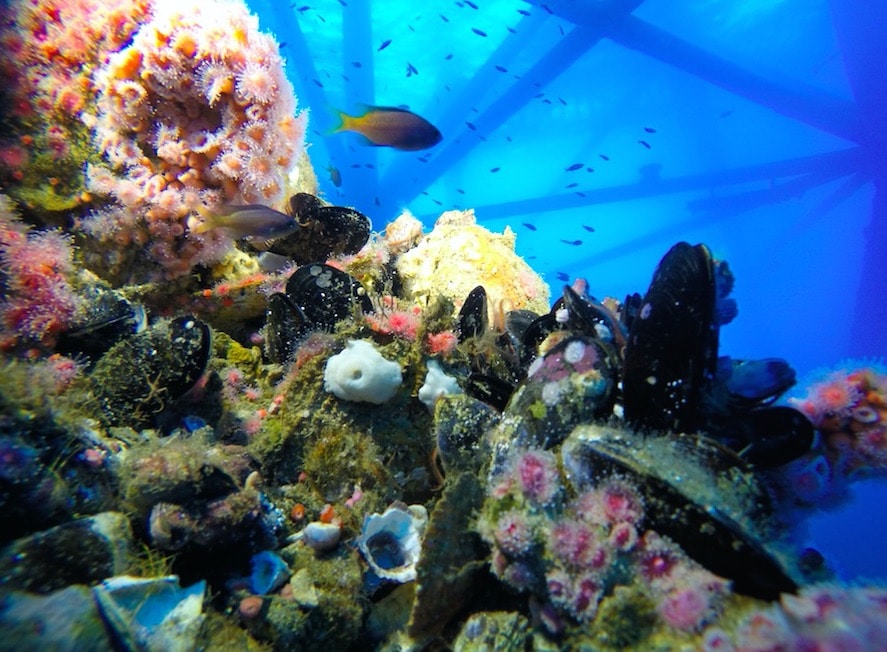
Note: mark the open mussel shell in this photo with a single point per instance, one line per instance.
(107, 318)
(768, 437)
(326, 231)
(706, 500)
(672, 350)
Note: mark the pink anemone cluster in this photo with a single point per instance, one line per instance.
(848, 408)
(569, 550)
(196, 112)
(39, 299)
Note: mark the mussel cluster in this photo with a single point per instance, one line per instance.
(563, 380)
(657, 357)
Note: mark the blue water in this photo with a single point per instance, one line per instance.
(760, 142)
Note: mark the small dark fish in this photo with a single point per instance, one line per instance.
(318, 82)
(252, 221)
(575, 166)
(726, 114)
(438, 202)
(590, 229)
(411, 70)
(335, 175)
(547, 8)
(523, 12)
(538, 95)
(563, 277)
(644, 143)
(448, 57)
(512, 30)
(423, 159)
(471, 126)
(460, 191)
(571, 185)
(494, 170)
(321, 18)
(357, 64)
(532, 227)
(377, 202)
(471, 4)
(561, 28)
(355, 165)
(562, 101)
(282, 44)
(343, 3)
(444, 18)
(384, 45)
(369, 165)
(572, 243)
(479, 32)
(411, 28)
(387, 126)
(303, 9)
(546, 101)
(650, 130)
(581, 194)
(501, 68)
(604, 156)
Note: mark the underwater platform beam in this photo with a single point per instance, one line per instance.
(362, 183)
(861, 32)
(790, 98)
(450, 119)
(296, 51)
(576, 43)
(827, 166)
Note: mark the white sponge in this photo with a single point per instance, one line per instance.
(360, 373)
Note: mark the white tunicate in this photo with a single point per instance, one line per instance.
(551, 393)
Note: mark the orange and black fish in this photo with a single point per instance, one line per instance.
(386, 126)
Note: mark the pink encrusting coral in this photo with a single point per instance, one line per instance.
(39, 300)
(196, 112)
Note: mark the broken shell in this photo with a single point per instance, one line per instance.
(391, 542)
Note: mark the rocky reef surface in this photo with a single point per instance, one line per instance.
(346, 438)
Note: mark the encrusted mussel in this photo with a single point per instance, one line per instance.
(697, 493)
(326, 231)
(672, 350)
(317, 297)
(142, 375)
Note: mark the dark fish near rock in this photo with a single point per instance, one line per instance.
(386, 126)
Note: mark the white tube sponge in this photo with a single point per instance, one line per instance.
(360, 373)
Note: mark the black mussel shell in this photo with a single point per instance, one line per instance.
(518, 321)
(474, 317)
(488, 389)
(326, 231)
(586, 315)
(190, 349)
(326, 295)
(108, 318)
(630, 309)
(672, 349)
(768, 437)
(285, 326)
(711, 537)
